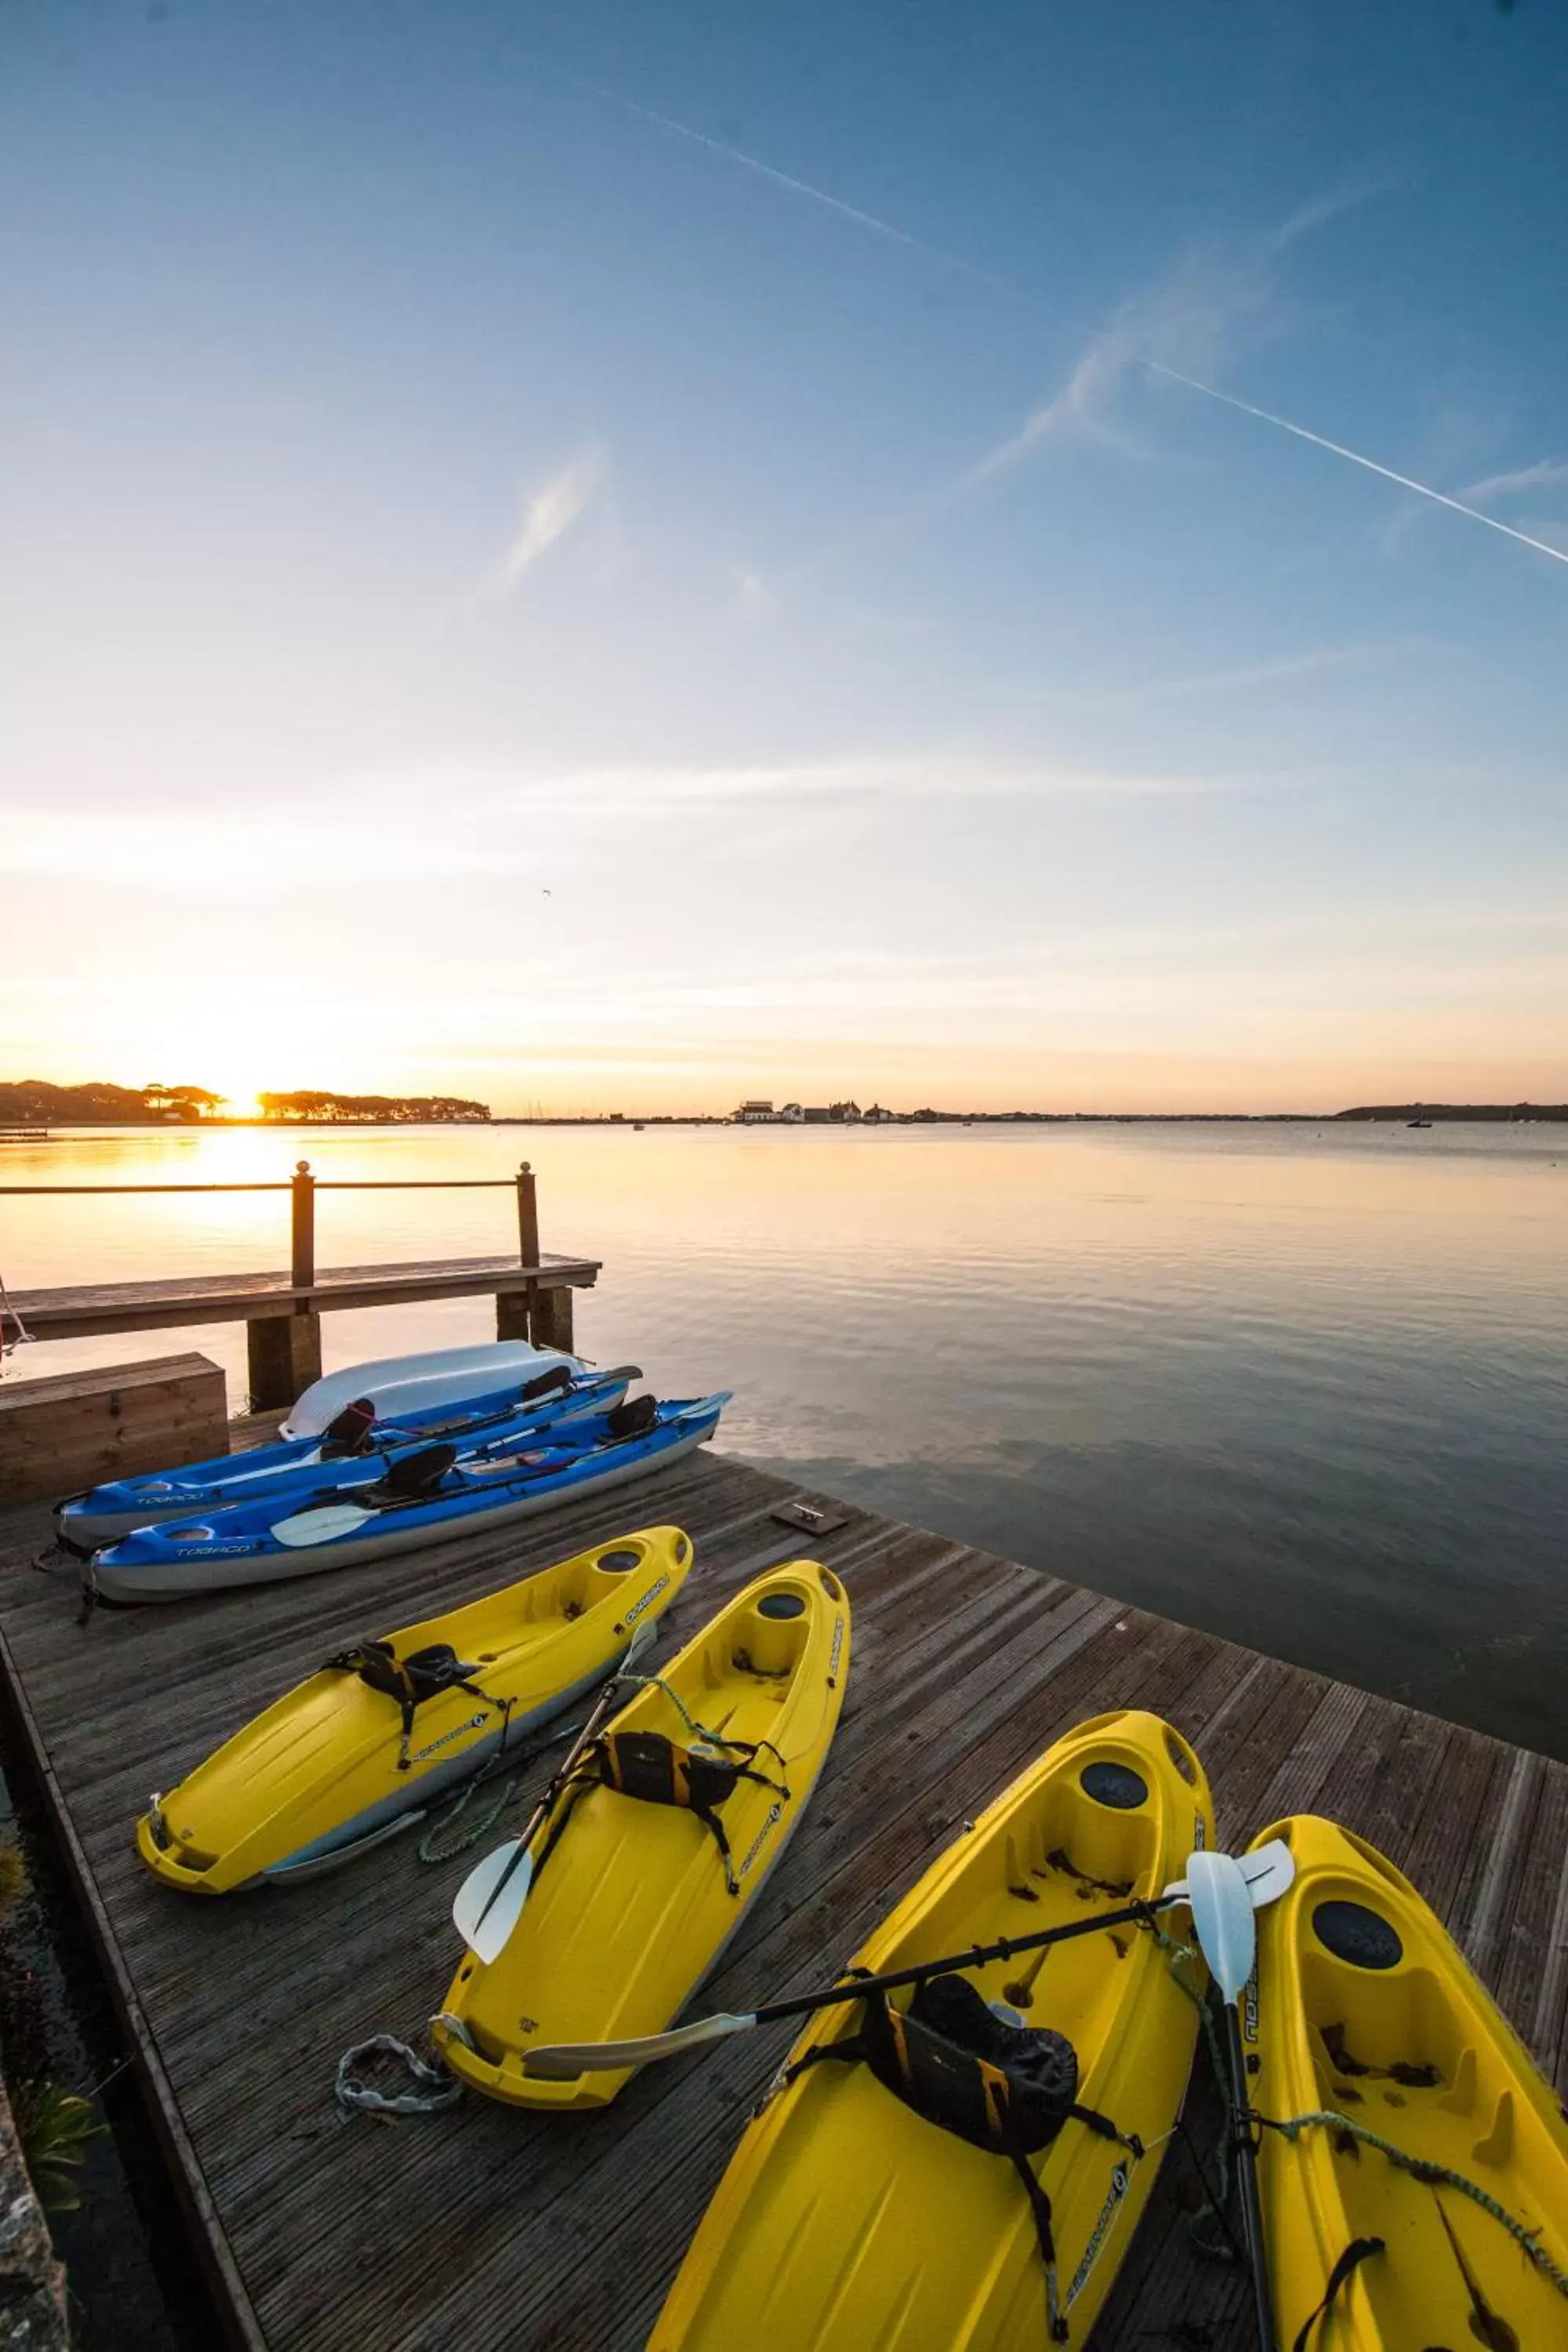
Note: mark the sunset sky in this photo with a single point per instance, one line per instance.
(620, 556)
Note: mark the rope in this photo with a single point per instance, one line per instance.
(1217, 2203)
(433, 2087)
(1433, 2176)
(9, 1315)
(444, 1839)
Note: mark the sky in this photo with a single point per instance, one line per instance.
(602, 556)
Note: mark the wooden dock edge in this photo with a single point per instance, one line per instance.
(206, 2232)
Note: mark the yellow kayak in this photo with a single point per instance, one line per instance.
(847, 2219)
(1365, 2017)
(379, 1734)
(663, 1837)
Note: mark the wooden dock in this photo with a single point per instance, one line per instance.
(487, 2227)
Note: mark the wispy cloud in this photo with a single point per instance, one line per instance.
(1548, 475)
(548, 514)
(495, 820)
(1171, 370)
(1193, 317)
(1245, 678)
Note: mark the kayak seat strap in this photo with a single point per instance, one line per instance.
(659, 1771)
(1355, 2254)
(1005, 2089)
(410, 1681)
(350, 1431)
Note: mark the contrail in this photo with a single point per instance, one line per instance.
(1338, 449)
(1015, 294)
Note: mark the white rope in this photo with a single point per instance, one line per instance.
(9, 1315)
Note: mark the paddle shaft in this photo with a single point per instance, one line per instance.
(977, 1957)
(1246, 2175)
(601, 1708)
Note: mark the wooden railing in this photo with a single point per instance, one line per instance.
(282, 1312)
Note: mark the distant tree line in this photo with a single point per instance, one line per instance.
(1525, 1111)
(309, 1103)
(35, 1102)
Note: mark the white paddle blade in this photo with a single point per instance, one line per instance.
(321, 1526)
(1269, 1871)
(563, 2061)
(1227, 1929)
(639, 1645)
(472, 1914)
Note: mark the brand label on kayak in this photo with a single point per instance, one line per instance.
(213, 1552)
(648, 1598)
(837, 1645)
(1249, 2007)
(447, 1739)
(776, 1815)
(1114, 2197)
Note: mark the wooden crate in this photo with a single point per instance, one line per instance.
(78, 1428)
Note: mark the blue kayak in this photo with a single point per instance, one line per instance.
(425, 1498)
(354, 1451)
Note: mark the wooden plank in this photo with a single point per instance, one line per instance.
(82, 1311)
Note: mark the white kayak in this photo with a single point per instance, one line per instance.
(405, 1387)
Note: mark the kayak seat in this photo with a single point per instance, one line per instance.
(348, 1432)
(659, 1771)
(557, 1379)
(410, 1681)
(1006, 2088)
(411, 1478)
(634, 1417)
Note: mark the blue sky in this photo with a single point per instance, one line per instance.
(498, 591)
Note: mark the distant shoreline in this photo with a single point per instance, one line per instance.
(1393, 1114)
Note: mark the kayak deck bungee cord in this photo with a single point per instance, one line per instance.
(383, 1731)
(1413, 2161)
(354, 1450)
(964, 2167)
(655, 1840)
(427, 1496)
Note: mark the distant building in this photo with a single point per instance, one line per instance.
(753, 1114)
(848, 1113)
(878, 1117)
(816, 1114)
(792, 1114)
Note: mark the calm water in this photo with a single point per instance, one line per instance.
(1304, 1385)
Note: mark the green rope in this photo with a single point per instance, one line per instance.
(449, 1836)
(1215, 2207)
(1433, 2175)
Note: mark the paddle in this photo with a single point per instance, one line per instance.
(1228, 1938)
(1264, 1874)
(490, 1899)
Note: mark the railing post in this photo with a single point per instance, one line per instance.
(303, 1264)
(284, 1352)
(514, 1309)
(527, 1215)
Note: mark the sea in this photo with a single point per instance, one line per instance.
(1304, 1384)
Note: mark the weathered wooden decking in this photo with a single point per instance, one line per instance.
(485, 2226)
